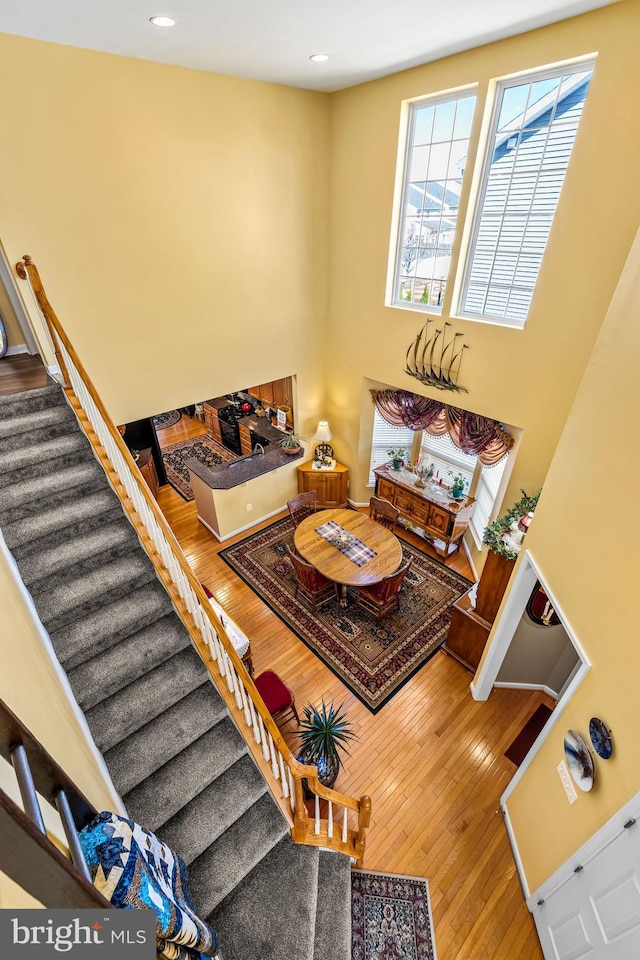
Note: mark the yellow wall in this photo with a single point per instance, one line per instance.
(178, 219)
(595, 577)
(15, 337)
(524, 377)
(30, 686)
(186, 225)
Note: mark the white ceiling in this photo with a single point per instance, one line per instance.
(272, 39)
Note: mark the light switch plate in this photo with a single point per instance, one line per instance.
(567, 782)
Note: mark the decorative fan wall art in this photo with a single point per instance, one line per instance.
(579, 760)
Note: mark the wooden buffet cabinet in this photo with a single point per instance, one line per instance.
(471, 625)
(331, 485)
(440, 519)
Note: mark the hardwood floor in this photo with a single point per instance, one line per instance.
(22, 372)
(432, 760)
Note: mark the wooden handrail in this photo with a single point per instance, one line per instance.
(27, 855)
(240, 694)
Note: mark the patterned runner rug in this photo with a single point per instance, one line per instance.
(201, 448)
(390, 917)
(374, 659)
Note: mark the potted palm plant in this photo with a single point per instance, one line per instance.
(324, 734)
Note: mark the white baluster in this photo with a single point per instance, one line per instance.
(263, 738)
(245, 705)
(254, 722)
(283, 777)
(344, 825)
(330, 819)
(317, 807)
(274, 761)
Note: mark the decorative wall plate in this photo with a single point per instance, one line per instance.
(579, 760)
(540, 608)
(600, 738)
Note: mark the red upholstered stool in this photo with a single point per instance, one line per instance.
(276, 694)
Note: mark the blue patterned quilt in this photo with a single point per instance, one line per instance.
(133, 868)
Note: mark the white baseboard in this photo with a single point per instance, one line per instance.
(14, 351)
(469, 560)
(529, 686)
(247, 526)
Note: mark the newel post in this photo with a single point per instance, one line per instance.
(364, 819)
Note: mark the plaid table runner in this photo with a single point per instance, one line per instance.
(356, 550)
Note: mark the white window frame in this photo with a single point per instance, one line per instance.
(396, 437)
(476, 210)
(479, 522)
(395, 272)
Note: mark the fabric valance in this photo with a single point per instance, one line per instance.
(473, 434)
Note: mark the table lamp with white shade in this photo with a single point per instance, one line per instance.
(323, 449)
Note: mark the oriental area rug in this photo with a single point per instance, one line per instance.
(390, 917)
(373, 658)
(163, 420)
(204, 449)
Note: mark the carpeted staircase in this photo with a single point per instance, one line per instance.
(172, 750)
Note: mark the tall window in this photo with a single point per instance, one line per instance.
(524, 160)
(533, 129)
(386, 437)
(438, 142)
(446, 457)
(486, 493)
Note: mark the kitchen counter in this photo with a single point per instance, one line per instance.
(251, 465)
(234, 496)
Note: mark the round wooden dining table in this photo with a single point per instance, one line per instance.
(331, 562)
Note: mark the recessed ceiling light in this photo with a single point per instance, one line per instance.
(162, 21)
(319, 57)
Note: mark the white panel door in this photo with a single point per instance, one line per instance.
(595, 914)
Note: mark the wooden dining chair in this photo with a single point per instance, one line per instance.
(313, 585)
(381, 597)
(383, 512)
(303, 506)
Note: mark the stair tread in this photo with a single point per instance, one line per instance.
(332, 938)
(70, 554)
(269, 917)
(44, 454)
(214, 810)
(68, 599)
(43, 493)
(120, 715)
(19, 404)
(104, 627)
(173, 785)
(34, 533)
(226, 862)
(121, 664)
(140, 755)
(24, 424)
